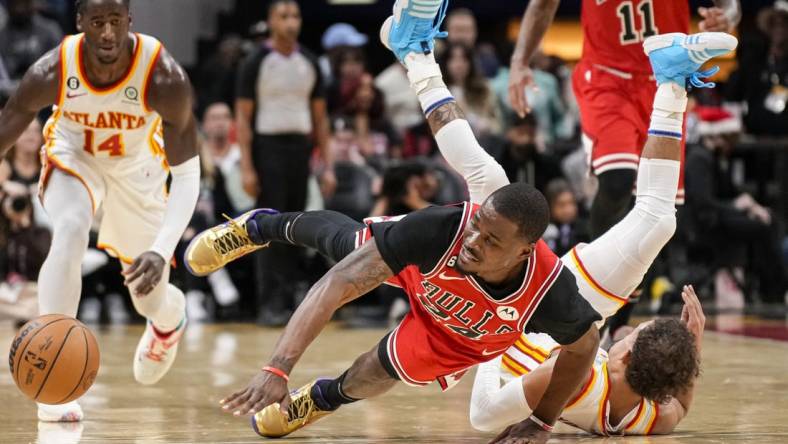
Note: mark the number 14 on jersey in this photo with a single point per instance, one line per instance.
(112, 144)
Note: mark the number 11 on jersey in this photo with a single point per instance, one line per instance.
(113, 144)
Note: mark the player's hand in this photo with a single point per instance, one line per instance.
(525, 432)
(692, 313)
(250, 181)
(263, 390)
(520, 77)
(328, 183)
(146, 271)
(714, 20)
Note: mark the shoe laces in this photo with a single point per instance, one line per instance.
(696, 77)
(299, 409)
(232, 239)
(153, 354)
(434, 27)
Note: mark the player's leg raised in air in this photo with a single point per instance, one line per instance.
(610, 267)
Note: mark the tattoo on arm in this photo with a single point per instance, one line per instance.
(444, 114)
(364, 268)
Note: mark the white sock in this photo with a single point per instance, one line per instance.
(426, 80)
(667, 117)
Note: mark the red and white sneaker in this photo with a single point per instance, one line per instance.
(155, 353)
(68, 412)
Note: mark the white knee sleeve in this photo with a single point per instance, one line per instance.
(657, 184)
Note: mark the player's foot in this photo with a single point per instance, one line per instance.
(413, 27)
(271, 423)
(677, 57)
(156, 353)
(68, 412)
(216, 247)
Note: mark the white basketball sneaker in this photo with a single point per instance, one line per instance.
(68, 412)
(156, 353)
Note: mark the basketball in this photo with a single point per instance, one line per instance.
(54, 359)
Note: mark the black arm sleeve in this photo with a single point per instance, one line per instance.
(319, 88)
(420, 238)
(247, 75)
(563, 313)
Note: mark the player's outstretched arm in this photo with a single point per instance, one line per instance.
(170, 95)
(359, 272)
(537, 18)
(671, 413)
(570, 370)
(38, 89)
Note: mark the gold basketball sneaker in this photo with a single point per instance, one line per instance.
(216, 247)
(271, 423)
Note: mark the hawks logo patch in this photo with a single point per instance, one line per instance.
(508, 313)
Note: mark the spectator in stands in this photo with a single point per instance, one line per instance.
(352, 90)
(401, 106)
(23, 243)
(566, 229)
(546, 100)
(351, 143)
(216, 79)
(281, 116)
(26, 36)
(720, 214)
(24, 164)
(762, 78)
(407, 187)
(523, 156)
(461, 26)
(336, 38)
(471, 90)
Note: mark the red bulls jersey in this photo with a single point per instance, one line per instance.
(459, 307)
(614, 30)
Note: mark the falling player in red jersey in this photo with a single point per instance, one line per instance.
(477, 274)
(613, 86)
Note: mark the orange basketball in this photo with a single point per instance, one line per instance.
(54, 359)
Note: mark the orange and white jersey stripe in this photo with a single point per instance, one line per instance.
(112, 125)
(589, 409)
(605, 302)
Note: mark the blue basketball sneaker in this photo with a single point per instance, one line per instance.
(677, 57)
(414, 26)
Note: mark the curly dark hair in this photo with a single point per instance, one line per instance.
(664, 361)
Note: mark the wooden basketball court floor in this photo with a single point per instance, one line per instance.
(742, 395)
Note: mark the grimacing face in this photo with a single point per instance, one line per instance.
(491, 243)
(106, 26)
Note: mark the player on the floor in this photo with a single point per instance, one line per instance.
(122, 121)
(477, 276)
(645, 386)
(613, 87)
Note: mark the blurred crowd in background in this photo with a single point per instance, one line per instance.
(730, 242)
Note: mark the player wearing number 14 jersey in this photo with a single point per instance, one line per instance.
(121, 124)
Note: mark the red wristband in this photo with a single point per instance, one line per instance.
(545, 426)
(277, 372)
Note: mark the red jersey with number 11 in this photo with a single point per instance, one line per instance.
(614, 30)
